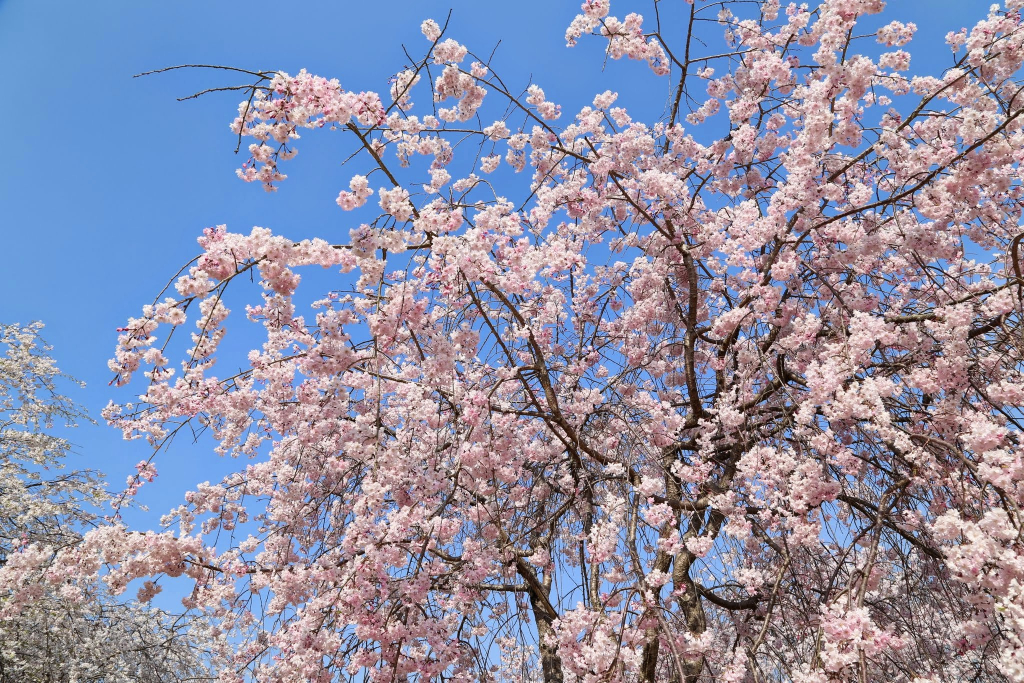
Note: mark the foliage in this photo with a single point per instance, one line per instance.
(732, 395)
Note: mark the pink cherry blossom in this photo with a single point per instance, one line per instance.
(730, 394)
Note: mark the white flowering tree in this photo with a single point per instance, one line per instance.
(53, 630)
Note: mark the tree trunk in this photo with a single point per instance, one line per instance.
(550, 662)
(693, 611)
(544, 614)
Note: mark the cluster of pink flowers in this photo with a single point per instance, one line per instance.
(292, 102)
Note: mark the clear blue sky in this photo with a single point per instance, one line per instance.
(107, 180)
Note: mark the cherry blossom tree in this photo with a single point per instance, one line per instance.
(731, 394)
(72, 632)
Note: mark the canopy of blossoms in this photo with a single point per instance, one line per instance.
(732, 394)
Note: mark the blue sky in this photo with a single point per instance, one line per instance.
(107, 180)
